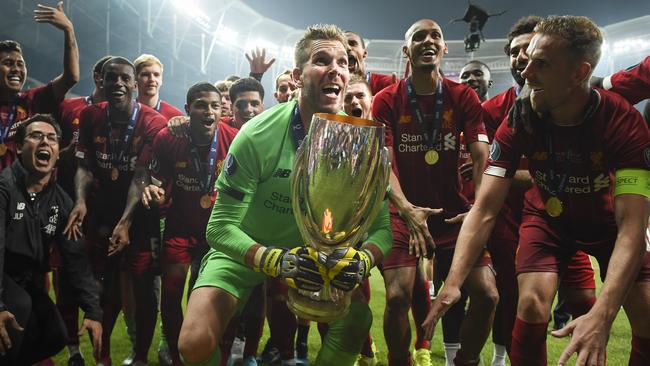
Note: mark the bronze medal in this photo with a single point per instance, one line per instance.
(431, 157)
(206, 201)
(115, 174)
(3, 149)
(554, 207)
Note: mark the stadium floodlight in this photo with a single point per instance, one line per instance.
(226, 35)
(262, 43)
(287, 52)
(192, 11)
(628, 45)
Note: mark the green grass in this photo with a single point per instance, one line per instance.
(617, 350)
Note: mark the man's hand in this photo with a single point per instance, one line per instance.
(119, 239)
(54, 16)
(589, 336)
(521, 115)
(257, 61)
(297, 267)
(346, 267)
(7, 319)
(94, 329)
(73, 227)
(152, 194)
(178, 126)
(419, 235)
(447, 297)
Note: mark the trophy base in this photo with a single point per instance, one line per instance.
(314, 309)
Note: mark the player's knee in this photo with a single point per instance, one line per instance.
(194, 345)
(487, 299)
(398, 301)
(532, 307)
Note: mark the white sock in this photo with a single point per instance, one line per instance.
(450, 353)
(432, 290)
(73, 349)
(499, 357)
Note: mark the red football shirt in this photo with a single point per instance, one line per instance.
(615, 137)
(28, 103)
(172, 163)
(378, 82)
(95, 145)
(438, 185)
(68, 117)
(633, 84)
(167, 110)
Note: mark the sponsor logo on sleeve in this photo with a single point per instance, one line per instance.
(230, 165)
(495, 151)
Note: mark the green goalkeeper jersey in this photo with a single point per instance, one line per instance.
(254, 200)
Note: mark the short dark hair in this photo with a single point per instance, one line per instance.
(200, 87)
(10, 46)
(245, 85)
(100, 64)
(232, 78)
(524, 25)
(21, 131)
(117, 60)
(363, 43)
(479, 63)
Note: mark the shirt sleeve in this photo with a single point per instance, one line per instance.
(629, 147)
(4, 204)
(504, 153)
(236, 185)
(472, 118)
(43, 100)
(382, 112)
(152, 127)
(633, 83)
(85, 146)
(160, 167)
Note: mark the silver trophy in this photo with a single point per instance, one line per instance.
(339, 181)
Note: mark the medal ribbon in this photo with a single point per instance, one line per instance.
(157, 108)
(205, 179)
(6, 125)
(126, 138)
(297, 128)
(430, 141)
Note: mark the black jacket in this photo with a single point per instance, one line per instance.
(28, 227)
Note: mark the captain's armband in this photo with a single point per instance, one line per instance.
(632, 181)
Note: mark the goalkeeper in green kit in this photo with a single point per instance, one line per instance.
(252, 229)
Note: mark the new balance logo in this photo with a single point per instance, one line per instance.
(450, 141)
(282, 173)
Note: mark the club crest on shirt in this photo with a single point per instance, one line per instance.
(596, 160)
(230, 165)
(447, 117)
(495, 151)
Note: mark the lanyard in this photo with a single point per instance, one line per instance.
(297, 128)
(89, 100)
(126, 138)
(157, 108)
(553, 188)
(205, 179)
(429, 140)
(7, 124)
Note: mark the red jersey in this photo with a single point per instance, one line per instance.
(614, 137)
(167, 110)
(172, 163)
(438, 185)
(26, 104)
(94, 143)
(633, 83)
(378, 82)
(68, 117)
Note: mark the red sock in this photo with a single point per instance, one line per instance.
(420, 306)
(146, 312)
(580, 308)
(640, 354)
(366, 349)
(528, 344)
(400, 361)
(254, 321)
(171, 311)
(283, 325)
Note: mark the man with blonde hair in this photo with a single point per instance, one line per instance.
(149, 76)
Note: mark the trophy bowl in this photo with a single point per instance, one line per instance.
(339, 181)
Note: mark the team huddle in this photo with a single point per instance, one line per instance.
(501, 199)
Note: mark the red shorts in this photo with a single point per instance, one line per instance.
(177, 250)
(542, 249)
(399, 253)
(275, 287)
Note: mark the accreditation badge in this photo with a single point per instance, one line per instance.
(554, 207)
(431, 157)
